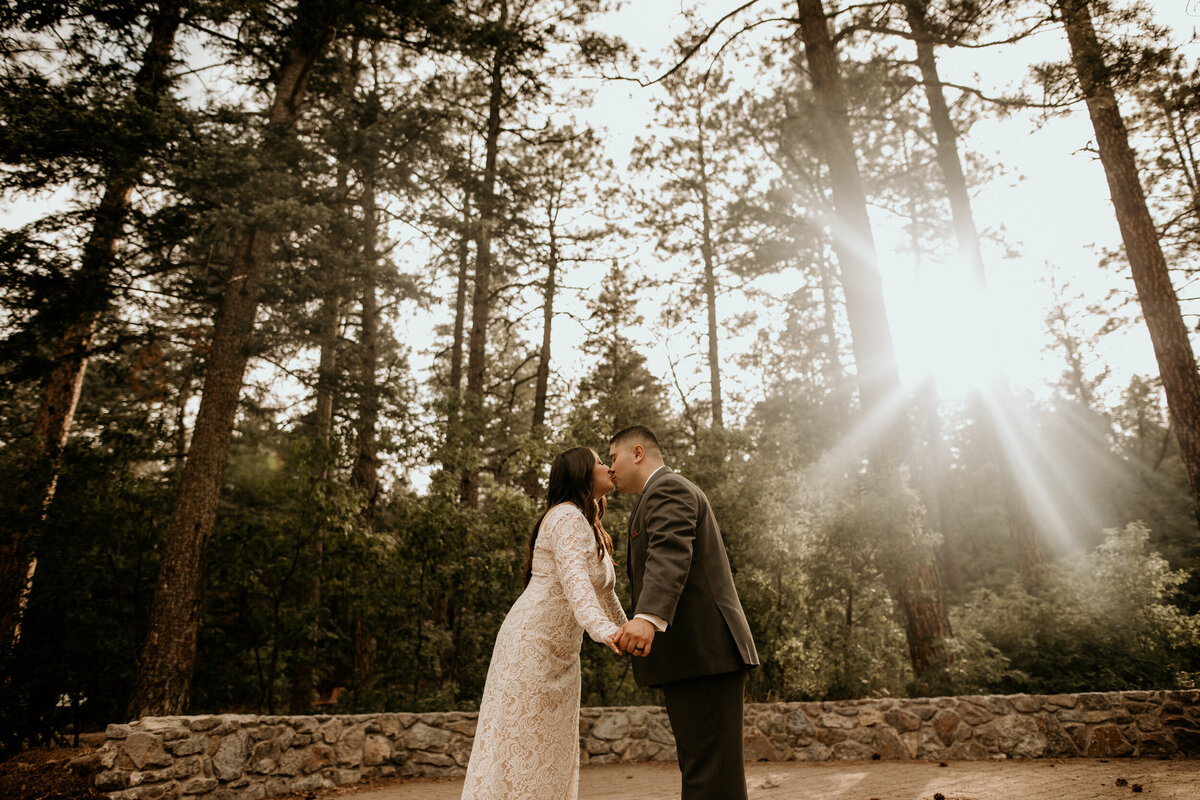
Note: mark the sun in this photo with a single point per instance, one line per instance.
(950, 330)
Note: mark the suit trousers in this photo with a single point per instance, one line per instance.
(706, 716)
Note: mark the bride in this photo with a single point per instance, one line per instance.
(527, 738)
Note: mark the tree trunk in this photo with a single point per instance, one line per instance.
(365, 647)
(931, 482)
(708, 252)
(1028, 553)
(452, 445)
(831, 367)
(90, 298)
(543, 374)
(853, 241)
(168, 656)
(329, 331)
(946, 142)
(1022, 532)
(925, 622)
(1160, 306)
(921, 595)
(182, 399)
(481, 299)
(460, 309)
(329, 319)
(365, 475)
(542, 383)
(303, 686)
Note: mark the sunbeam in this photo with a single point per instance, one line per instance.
(846, 457)
(1055, 491)
(1027, 460)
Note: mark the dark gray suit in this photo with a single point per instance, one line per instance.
(679, 571)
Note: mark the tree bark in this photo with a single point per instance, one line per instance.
(90, 299)
(931, 483)
(920, 595)
(329, 330)
(1151, 278)
(946, 142)
(542, 382)
(853, 241)
(1028, 553)
(365, 475)
(168, 656)
(925, 621)
(542, 387)
(180, 434)
(708, 252)
(481, 298)
(831, 368)
(303, 685)
(365, 648)
(329, 320)
(460, 309)
(452, 445)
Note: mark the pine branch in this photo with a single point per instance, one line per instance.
(691, 51)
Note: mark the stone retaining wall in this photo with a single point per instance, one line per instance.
(244, 757)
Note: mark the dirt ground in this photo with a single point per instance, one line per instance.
(42, 774)
(1066, 779)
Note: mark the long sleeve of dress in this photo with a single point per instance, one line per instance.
(613, 606)
(574, 544)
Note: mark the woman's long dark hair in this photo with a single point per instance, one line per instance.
(571, 482)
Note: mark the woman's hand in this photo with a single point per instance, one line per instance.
(611, 641)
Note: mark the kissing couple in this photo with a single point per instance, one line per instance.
(688, 635)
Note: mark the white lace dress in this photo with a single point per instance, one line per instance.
(527, 738)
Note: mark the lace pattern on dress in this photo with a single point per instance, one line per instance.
(527, 737)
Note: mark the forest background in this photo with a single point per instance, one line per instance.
(300, 299)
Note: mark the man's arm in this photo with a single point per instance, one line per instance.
(671, 516)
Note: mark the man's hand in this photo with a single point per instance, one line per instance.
(636, 636)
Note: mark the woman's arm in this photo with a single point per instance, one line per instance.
(612, 604)
(573, 544)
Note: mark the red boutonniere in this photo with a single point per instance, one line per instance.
(634, 534)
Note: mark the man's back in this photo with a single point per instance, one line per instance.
(679, 571)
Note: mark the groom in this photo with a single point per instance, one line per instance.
(688, 631)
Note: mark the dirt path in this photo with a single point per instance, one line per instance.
(1067, 779)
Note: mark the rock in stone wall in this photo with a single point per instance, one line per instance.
(243, 757)
(239, 757)
(1099, 725)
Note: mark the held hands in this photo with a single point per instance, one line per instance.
(635, 637)
(611, 641)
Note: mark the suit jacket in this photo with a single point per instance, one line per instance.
(679, 571)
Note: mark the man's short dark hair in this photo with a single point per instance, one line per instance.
(641, 433)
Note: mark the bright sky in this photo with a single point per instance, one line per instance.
(1049, 200)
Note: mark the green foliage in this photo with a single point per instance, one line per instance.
(1103, 622)
(400, 612)
(97, 563)
(833, 628)
(619, 390)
